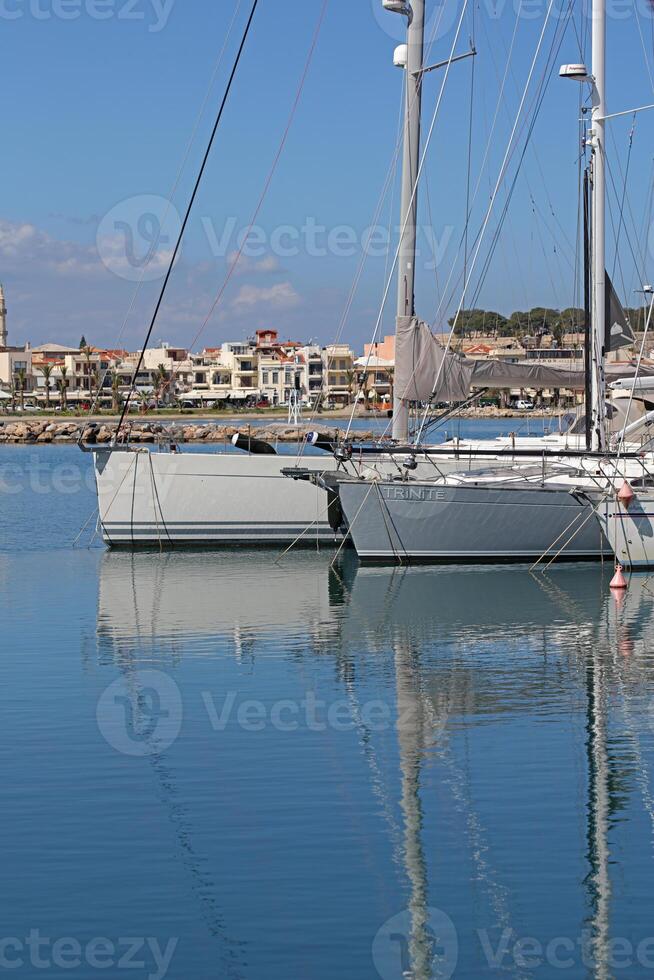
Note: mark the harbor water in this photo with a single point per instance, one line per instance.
(236, 765)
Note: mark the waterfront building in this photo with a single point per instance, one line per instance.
(339, 374)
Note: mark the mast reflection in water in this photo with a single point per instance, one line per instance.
(352, 771)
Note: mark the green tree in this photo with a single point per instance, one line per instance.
(21, 380)
(474, 322)
(62, 385)
(351, 378)
(82, 343)
(116, 398)
(46, 371)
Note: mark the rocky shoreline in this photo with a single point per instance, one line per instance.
(102, 433)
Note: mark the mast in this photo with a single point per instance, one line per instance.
(410, 165)
(588, 356)
(598, 249)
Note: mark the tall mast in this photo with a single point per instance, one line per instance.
(410, 165)
(598, 249)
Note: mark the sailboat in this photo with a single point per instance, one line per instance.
(167, 497)
(505, 514)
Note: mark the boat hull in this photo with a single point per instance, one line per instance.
(629, 531)
(414, 522)
(202, 499)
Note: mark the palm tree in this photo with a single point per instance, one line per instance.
(144, 399)
(94, 382)
(88, 354)
(160, 381)
(62, 385)
(390, 373)
(351, 378)
(115, 391)
(21, 377)
(46, 371)
(365, 388)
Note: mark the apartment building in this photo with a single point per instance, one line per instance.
(339, 374)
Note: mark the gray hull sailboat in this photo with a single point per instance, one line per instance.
(518, 514)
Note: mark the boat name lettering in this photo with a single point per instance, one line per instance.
(421, 494)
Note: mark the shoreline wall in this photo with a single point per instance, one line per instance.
(101, 433)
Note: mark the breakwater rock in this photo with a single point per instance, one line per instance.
(37, 432)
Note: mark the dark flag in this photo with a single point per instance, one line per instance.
(618, 329)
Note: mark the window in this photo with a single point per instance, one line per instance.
(264, 377)
(275, 377)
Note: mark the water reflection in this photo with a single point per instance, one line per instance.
(467, 648)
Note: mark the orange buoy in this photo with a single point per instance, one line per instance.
(626, 493)
(618, 581)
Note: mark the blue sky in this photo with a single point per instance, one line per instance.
(101, 98)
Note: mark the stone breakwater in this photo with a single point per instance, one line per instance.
(101, 433)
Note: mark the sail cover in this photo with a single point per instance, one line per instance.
(618, 329)
(426, 371)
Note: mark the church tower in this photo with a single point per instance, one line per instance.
(3, 318)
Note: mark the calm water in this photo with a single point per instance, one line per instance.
(218, 766)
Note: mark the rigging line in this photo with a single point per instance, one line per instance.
(481, 230)
(497, 187)
(489, 210)
(640, 264)
(624, 192)
(469, 161)
(189, 207)
(633, 387)
(390, 177)
(414, 192)
(617, 257)
(172, 192)
(493, 124)
(545, 79)
(547, 263)
(434, 242)
(388, 276)
(634, 226)
(613, 188)
(271, 174)
(534, 151)
(391, 210)
(642, 41)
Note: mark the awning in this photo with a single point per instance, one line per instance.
(5, 396)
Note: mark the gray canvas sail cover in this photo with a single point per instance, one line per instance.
(618, 329)
(425, 371)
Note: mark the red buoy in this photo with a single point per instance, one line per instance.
(626, 493)
(618, 581)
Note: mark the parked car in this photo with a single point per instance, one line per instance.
(523, 405)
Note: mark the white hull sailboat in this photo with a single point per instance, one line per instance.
(159, 498)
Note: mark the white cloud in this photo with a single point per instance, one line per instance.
(24, 243)
(281, 296)
(249, 266)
